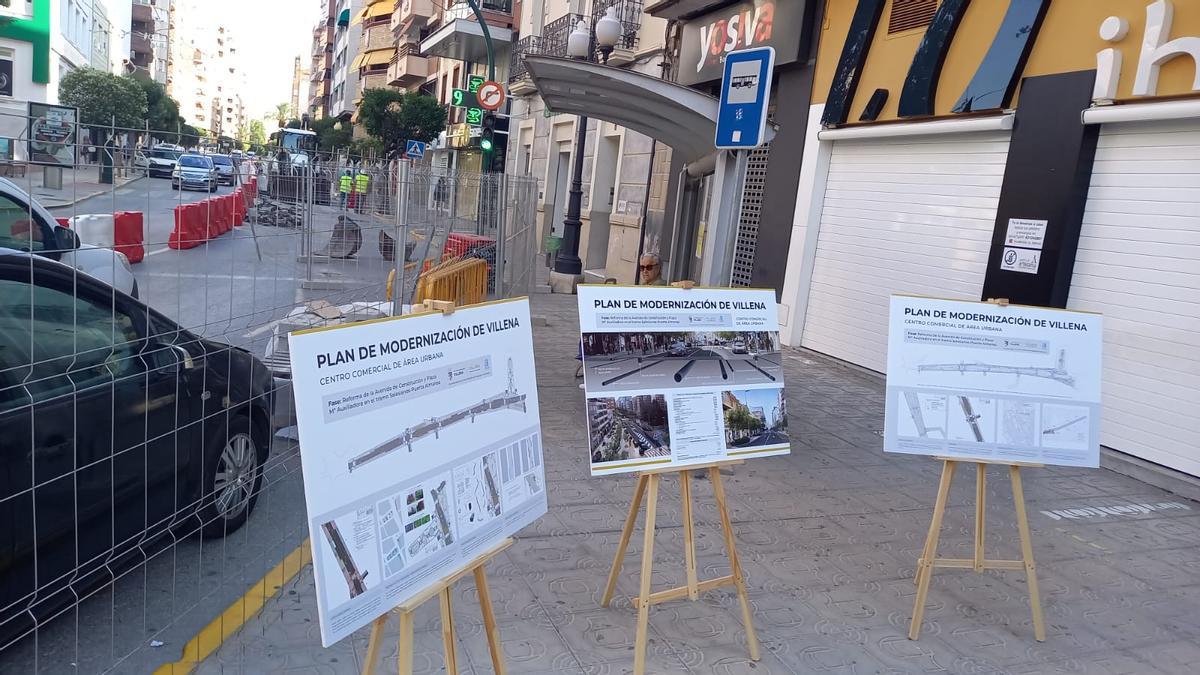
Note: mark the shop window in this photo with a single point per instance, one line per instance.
(910, 14)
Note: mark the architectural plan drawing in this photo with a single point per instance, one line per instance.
(1018, 422)
(355, 578)
(1057, 372)
(477, 492)
(430, 529)
(1065, 426)
(972, 419)
(926, 415)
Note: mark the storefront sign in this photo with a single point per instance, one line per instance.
(677, 377)
(421, 446)
(975, 380)
(750, 23)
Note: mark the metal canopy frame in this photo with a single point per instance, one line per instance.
(680, 117)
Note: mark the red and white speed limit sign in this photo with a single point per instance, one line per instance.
(491, 95)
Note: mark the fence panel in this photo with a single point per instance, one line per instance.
(149, 474)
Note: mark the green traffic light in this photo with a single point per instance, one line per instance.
(486, 144)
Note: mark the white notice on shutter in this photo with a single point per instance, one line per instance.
(1026, 233)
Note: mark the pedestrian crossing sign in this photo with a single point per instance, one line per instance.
(415, 149)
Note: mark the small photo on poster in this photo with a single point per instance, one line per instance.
(754, 418)
(662, 361)
(628, 427)
(350, 545)
(428, 521)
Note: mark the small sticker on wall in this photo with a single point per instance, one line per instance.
(1021, 260)
(1026, 233)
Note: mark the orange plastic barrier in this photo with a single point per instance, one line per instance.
(128, 232)
(183, 236)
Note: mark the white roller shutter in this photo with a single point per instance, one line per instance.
(1139, 265)
(903, 215)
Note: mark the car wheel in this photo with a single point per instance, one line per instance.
(232, 478)
(174, 185)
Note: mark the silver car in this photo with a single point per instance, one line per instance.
(195, 171)
(226, 170)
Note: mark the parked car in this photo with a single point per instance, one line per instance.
(159, 162)
(26, 225)
(226, 169)
(195, 171)
(739, 347)
(677, 348)
(120, 427)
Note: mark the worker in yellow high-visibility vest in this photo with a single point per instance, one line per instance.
(361, 182)
(344, 186)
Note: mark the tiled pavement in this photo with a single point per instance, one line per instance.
(828, 537)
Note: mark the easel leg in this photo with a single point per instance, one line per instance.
(375, 644)
(925, 564)
(980, 510)
(735, 565)
(634, 506)
(689, 535)
(489, 620)
(448, 633)
(643, 623)
(1035, 597)
(405, 654)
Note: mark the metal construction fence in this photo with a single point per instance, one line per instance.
(149, 469)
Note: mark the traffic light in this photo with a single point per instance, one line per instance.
(487, 137)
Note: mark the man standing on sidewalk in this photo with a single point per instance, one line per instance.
(344, 186)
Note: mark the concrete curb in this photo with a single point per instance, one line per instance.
(97, 193)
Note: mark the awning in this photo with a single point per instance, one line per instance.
(380, 8)
(682, 118)
(344, 18)
(379, 57)
(358, 61)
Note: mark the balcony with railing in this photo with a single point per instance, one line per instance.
(413, 13)
(460, 37)
(408, 66)
(553, 41)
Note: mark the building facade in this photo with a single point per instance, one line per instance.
(925, 144)
(344, 76)
(321, 66)
(624, 173)
(204, 71)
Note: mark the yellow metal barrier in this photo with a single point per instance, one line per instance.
(463, 281)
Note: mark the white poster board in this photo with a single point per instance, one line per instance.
(979, 381)
(420, 442)
(681, 376)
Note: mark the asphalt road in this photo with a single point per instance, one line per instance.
(710, 367)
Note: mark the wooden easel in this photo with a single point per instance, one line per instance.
(648, 483)
(929, 559)
(441, 589)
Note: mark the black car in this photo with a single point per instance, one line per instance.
(118, 426)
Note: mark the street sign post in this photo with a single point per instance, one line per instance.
(415, 149)
(745, 95)
(491, 96)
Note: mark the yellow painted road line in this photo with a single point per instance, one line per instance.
(211, 637)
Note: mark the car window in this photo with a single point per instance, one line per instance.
(164, 154)
(19, 228)
(223, 161)
(195, 161)
(63, 343)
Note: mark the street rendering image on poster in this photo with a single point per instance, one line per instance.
(680, 376)
(420, 444)
(982, 381)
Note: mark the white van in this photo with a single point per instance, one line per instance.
(26, 225)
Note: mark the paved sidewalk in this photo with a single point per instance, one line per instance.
(80, 183)
(829, 537)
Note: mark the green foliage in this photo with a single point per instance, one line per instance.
(104, 99)
(257, 134)
(189, 136)
(366, 147)
(393, 117)
(331, 138)
(282, 111)
(162, 111)
(739, 419)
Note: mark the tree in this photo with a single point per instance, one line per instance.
(393, 117)
(331, 134)
(189, 136)
(281, 112)
(162, 111)
(257, 134)
(104, 100)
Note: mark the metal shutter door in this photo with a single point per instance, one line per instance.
(905, 215)
(1139, 264)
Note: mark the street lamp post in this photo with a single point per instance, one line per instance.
(568, 267)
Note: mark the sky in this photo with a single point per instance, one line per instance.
(271, 34)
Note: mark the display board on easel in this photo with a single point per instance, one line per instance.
(420, 442)
(989, 383)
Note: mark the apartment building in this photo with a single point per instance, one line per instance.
(625, 173)
(320, 69)
(299, 93)
(204, 73)
(344, 77)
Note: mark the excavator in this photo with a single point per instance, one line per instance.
(295, 164)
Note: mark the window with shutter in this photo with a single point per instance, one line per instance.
(909, 14)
